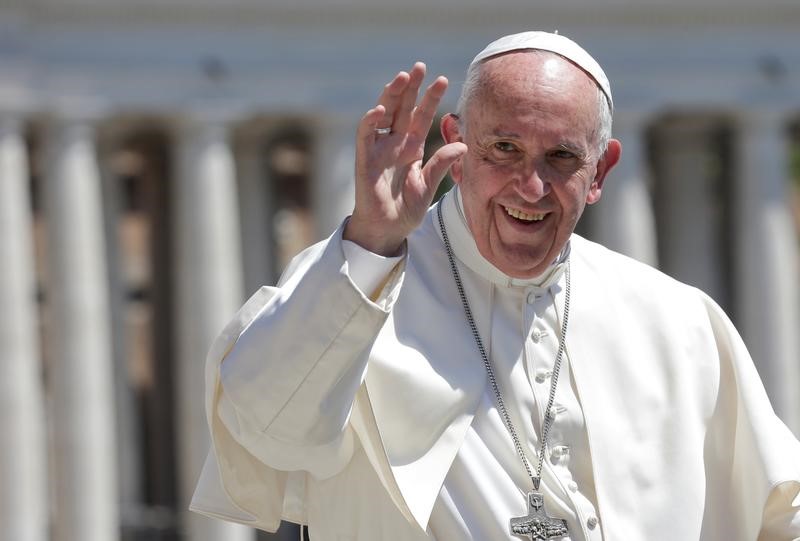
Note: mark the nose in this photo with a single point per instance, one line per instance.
(531, 184)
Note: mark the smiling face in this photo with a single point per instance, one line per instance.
(533, 163)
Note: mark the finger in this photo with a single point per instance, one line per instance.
(402, 117)
(369, 122)
(433, 172)
(365, 138)
(392, 95)
(425, 112)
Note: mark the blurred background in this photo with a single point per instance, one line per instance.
(161, 159)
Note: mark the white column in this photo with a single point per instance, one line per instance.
(257, 210)
(209, 291)
(689, 234)
(80, 370)
(624, 219)
(767, 255)
(23, 465)
(333, 187)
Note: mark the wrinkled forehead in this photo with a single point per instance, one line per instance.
(538, 80)
(522, 71)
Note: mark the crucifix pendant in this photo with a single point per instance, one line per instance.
(536, 525)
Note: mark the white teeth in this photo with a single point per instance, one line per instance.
(518, 214)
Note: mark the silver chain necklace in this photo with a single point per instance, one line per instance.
(536, 525)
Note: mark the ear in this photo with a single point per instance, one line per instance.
(604, 165)
(451, 133)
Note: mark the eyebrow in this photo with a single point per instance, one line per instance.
(579, 151)
(502, 133)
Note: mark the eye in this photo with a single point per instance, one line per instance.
(563, 155)
(505, 146)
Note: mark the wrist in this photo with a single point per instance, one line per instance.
(370, 238)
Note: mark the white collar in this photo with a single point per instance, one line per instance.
(466, 250)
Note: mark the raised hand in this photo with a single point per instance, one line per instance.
(393, 188)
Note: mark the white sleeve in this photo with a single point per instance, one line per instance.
(289, 381)
(367, 269)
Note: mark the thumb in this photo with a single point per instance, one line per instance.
(433, 172)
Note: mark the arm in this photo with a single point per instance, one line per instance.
(289, 381)
(245, 476)
(763, 477)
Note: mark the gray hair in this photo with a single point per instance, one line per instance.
(472, 84)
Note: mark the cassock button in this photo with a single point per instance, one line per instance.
(559, 451)
(556, 409)
(531, 297)
(536, 335)
(572, 486)
(591, 522)
(542, 374)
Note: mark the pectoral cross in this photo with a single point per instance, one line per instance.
(536, 525)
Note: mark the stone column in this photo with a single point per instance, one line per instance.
(767, 257)
(23, 465)
(689, 209)
(80, 370)
(333, 188)
(209, 291)
(257, 211)
(624, 219)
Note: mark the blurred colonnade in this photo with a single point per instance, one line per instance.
(132, 228)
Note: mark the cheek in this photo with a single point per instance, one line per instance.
(477, 206)
(486, 180)
(581, 188)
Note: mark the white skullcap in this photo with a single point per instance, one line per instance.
(554, 43)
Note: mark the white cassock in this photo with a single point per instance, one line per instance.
(370, 417)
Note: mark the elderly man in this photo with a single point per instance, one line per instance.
(477, 371)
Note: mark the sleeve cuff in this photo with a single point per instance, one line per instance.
(367, 270)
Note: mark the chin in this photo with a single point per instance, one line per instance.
(524, 263)
(522, 269)
(518, 260)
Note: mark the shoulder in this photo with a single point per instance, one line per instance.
(673, 324)
(622, 271)
(626, 281)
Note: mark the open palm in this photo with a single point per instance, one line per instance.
(393, 187)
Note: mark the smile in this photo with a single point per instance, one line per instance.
(519, 215)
